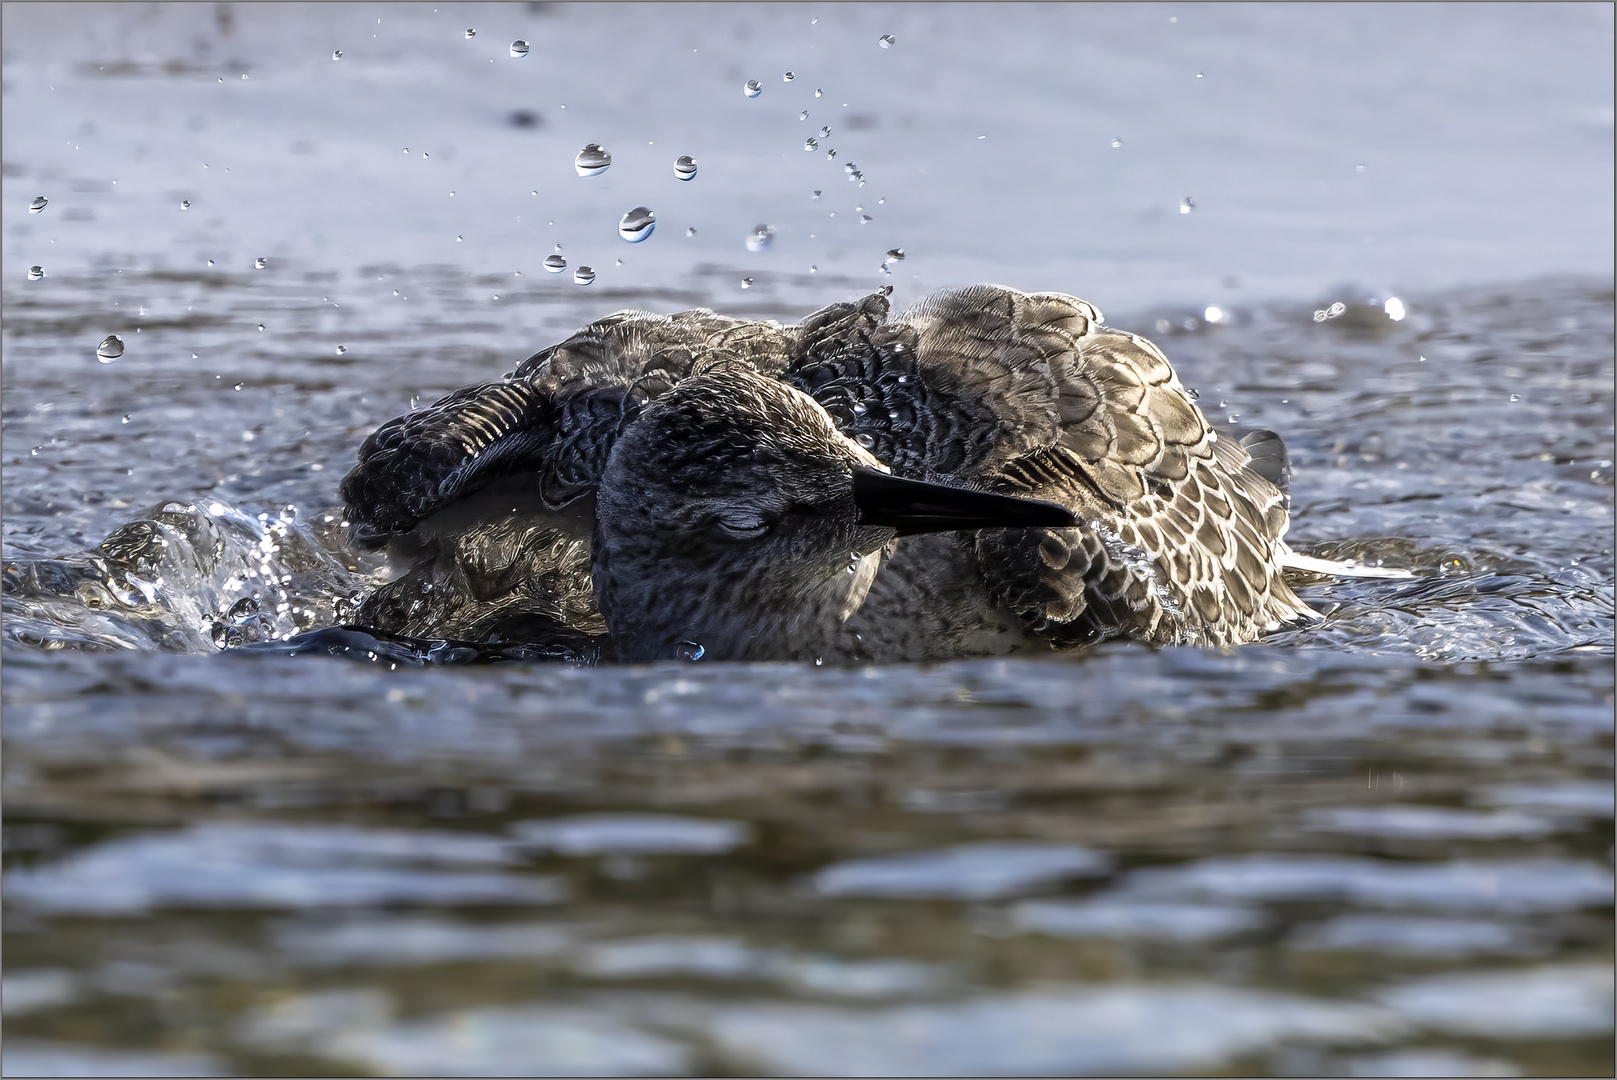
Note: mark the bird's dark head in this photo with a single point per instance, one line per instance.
(733, 517)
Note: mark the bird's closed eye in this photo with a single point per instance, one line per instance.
(742, 526)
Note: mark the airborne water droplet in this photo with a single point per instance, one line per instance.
(859, 408)
(819, 93)
(470, 33)
(825, 132)
(519, 48)
(691, 231)
(753, 88)
(111, 347)
(895, 255)
(746, 283)
(688, 650)
(35, 273)
(38, 204)
(593, 160)
(811, 144)
(1116, 143)
(760, 238)
(788, 77)
(887, 41)
(583, 275)
(260, 262)
(685, 168)
(555, 263)
(804, 116)
(1187, 205)
(341, 349)
(336, 54)
(637, 224)
(816, 196)
(185, 204)
(864, 440)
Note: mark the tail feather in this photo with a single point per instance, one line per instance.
(1348, 568)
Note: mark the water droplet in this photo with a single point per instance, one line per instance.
(788, 77)
(746, 283)
(470, 33)
(1394, 308)
(555, 263)
(341, 349)
(618, 263)
(38, 204)
(811, 144)
(35, 273)
(691, 231)
(753, 88)
(1192, 393)
(895, 255)
(210, 262)
(260, 328)
(519, 48)
(1319, 315)
(1199, 75)
(238, 386)
(819, 93)
(760, 238)
(1187, 205)
(854, 562)
(859, 408)
(685, 168)
(886, 41)
(1335, 309)
(830, 155)
(813, 269)
(637, 224)
(111, 347)
(864, 440)
(688, 651)
(593, 160)
(460, 239)
(865, 219)
(1515, 397)
(1358, 168)
(816, 196)
(336, 54)
(1117, 143)
(126, 418)
(804, 116)
(260, 262)
(1213, 314)
(244, 75)
(185, 204)
(242, 610)
(583, 275)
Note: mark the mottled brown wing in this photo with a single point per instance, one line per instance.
(556, 418)
(1097, 419)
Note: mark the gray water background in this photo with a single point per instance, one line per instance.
(1378, 846)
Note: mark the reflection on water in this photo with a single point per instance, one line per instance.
(1378, 845)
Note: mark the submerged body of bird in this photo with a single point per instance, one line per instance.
(851, 488)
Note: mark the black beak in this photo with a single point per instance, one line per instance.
(915, 506)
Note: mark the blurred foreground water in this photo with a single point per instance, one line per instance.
(1377, 846)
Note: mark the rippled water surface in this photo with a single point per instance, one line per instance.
(1380, 845)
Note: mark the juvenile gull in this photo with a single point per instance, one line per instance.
(558, 500)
